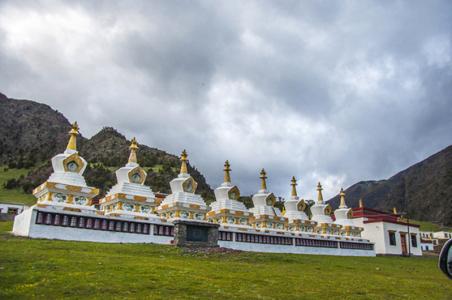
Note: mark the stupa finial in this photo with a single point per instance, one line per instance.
(263, 177)
(319, 193)
(72, 144)
(227, 171)
(183, 159)
(133, 151)
(342, 196)
(361, 203)
(294, 187)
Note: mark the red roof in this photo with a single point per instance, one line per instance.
(374, 216)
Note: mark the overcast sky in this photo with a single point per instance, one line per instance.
(330, 91)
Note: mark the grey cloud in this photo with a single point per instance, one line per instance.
(330, 91)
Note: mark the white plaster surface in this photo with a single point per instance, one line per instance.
(378, 233)
(255, 247)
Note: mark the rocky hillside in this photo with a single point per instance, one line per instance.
(31, 133)
(424, 190)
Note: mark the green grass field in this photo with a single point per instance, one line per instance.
(429, 226)
(14, 195)
(57, 269)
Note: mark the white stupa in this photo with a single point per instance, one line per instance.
(295, 211)
(321, 213)
(265, 214)
(183, 203)
(294, 207)
(66, 187)
(227, 209)
(130, 197)
(343, 217)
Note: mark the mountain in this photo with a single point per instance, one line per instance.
(423, 191)
(31, 133)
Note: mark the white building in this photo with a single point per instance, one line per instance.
(12, 208)
(434, 241)
(391, 234)
(445, 235)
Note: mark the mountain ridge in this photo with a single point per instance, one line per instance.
(423, 191)
(31, 133)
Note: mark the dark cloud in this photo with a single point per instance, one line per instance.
(329, 91)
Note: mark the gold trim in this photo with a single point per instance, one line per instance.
(319, 193)
(294, 187)
(183, 159)
(133, 151)
(263, 177)
(72, 144)
(73, 157)
(140, 171)
(227, 171)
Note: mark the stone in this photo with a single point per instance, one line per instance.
(195, 234)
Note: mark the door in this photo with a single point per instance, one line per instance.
(403, 244)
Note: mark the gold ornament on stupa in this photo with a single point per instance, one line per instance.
(263, 177)
(183, 159)
(319, 193)
(342, 197)
(72, 144)
(133, 151)
(293, 183)
(227, 171)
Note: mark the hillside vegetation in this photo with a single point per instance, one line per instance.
(61, 269)
(14, 195)
(32, 133)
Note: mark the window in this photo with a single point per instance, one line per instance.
(392, 238)
(413, 240)
(13, 211)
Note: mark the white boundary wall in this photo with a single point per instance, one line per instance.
(294, 249)
(26, 225)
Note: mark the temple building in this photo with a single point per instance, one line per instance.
(295, 208)
(266, 216)
(227, 210)
(343, 216)
(392, 233)
(130, 197)
(321, 214)
(66, 188)
(183, 203)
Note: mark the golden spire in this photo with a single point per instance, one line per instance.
(294, 187)
(319, 193)
(342, 196)
(133, 151)
(361, 203)
(394, 210)
(183, 159)
(263, 177)
(72, 144)
(227, 170)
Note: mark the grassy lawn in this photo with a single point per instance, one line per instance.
(56, 269)
(14, 195)
(428, 226)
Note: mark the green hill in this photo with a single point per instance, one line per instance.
(61, 269)
(32, 133)
(14, 195)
